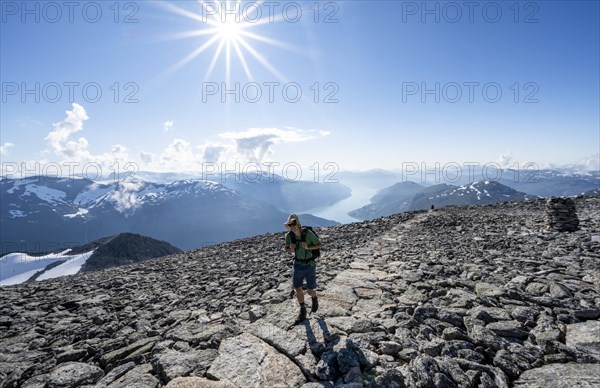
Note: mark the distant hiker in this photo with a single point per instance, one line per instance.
(432, 207)
(303, 242)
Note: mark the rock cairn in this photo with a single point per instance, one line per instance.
(561, 215)
(457, 297)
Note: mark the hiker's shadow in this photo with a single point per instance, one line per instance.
(317, 346)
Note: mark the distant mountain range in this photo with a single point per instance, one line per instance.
(42, 212)
(408, 196)
(113, 251)
(414, 191)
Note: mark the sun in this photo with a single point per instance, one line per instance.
(229, 30)
(229, 33)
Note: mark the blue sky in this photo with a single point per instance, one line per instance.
(371, 61)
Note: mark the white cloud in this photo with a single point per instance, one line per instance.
(4, 148)
(146, 157)
(504, 160)
(168, 125)
(125, 196)
(256, 144)
(77, 150)
(589, 163)
(74, 150)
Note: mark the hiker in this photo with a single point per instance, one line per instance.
(302, 242)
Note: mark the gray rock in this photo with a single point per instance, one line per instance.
(488, 290)
(485, 337)
(585, 314)
(413, 296)
(489, 314)
(452, 333)
(504, 361)
(115, 374)
(246, 360)
(561, 376)
(585, 335)
(407, 354)
(546, 339)
(320, 384)
(198, 382)
(559, 291)
(171, 363)
(508, 329)
(73, 374)
(284, 341)
(440, 380)
(423, 369)
(524, 314)
(536, 288)
(390, 347)
(390, 378)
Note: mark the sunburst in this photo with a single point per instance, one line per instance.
(229, 32)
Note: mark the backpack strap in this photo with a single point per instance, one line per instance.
(292, 237)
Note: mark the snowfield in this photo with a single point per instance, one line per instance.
(16, 268)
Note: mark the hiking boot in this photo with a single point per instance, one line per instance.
(315, 305)
(302, 315)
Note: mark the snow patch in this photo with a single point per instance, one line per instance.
(81, 212)
(92, 195)
(17, 213)
(70, 267)
(45, 193)
(16, 268)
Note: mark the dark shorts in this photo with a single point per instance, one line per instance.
(308, 272)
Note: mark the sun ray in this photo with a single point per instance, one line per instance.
(263, 60)
(180, 11)
(264, 39)
(194, 54)
(214, 59)
(240, 54)
(188, 34)
(229, 28)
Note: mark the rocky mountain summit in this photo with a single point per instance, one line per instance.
(475, 296)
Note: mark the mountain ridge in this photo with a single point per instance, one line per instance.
(464, 295)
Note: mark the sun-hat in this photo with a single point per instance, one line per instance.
(291, 219)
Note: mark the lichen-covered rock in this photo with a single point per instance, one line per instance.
(74, 374)
(561, 376)
(247, 361)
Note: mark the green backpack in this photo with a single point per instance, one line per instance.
(315, 252)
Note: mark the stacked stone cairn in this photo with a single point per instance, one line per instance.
(561, 215)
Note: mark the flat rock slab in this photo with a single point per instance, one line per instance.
(584, 335)
(487, 290)
(198, 382)
(285, 341)
(561, 376)
(248, 361)
(171, 363)
(74, 374)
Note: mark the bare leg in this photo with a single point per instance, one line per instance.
(312, 293)
(300, 295)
